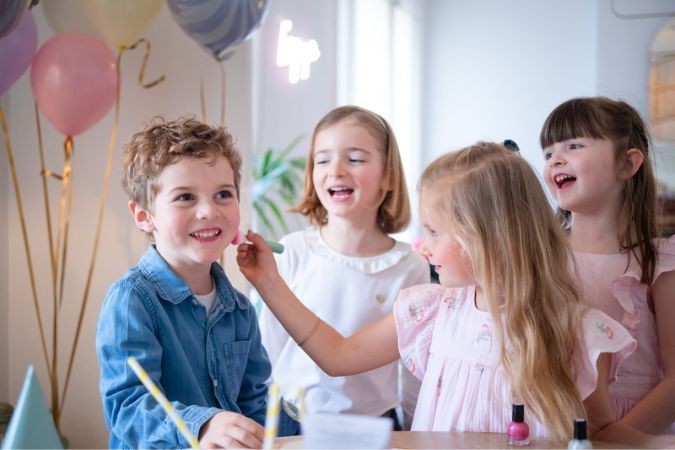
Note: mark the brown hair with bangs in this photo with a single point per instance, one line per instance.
(393, 214)
(620, 123)
(163, 143)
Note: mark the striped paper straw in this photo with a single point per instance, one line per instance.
(301, 404)
(154, 390)
(272, 417)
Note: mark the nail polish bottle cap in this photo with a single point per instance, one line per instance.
(518, 413)
(580, 430)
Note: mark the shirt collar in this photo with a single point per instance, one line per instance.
(173, 289)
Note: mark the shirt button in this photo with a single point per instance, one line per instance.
(380, 298)
(215, 383)
(194, 302)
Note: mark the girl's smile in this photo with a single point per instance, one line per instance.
(348, 171)
(582, 174)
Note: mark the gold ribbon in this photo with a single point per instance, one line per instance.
(101, 211)
(202, 102)
(146, 56)
(24, 232)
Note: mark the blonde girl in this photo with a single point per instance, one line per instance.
(344, 266)
(506, 325)
(599, 171)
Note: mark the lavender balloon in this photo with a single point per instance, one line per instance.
(218, 25)
(17, 50)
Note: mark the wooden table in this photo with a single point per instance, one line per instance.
(454, 439)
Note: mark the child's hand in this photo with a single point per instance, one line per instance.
(231, 430)
(256, 260)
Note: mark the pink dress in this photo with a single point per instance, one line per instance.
(611, 283)
(449, 344)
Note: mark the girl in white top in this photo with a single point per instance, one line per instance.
(506, 325)
(345, 267)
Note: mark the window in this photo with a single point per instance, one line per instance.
(379, 68)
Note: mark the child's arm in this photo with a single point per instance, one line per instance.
(656, 411)
(372, 347)
(603, 427)
(128, 327)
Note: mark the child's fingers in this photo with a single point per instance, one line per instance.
(258, 241)
(246, 254)
(245, 437)
(248, 425)
(234, 436)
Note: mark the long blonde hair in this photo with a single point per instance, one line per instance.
(494, 201)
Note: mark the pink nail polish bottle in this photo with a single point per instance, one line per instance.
(518, 432)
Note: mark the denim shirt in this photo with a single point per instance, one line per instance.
(202, 364)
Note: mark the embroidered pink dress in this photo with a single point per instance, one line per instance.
(450, 345)
(611, 283)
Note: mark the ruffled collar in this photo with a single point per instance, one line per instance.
(368, 265)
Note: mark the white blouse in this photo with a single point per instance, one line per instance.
(348, 293)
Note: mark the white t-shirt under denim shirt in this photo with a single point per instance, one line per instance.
(348, 293)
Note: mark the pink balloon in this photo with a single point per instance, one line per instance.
(16, 51)
(74, 80)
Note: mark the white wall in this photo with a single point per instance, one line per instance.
(496, 69)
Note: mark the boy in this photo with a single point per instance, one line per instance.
(175, 311)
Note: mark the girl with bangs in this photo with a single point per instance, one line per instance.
(598, 169)
(505, 326)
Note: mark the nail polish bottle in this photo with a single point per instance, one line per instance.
(580, 440)
(518, 432)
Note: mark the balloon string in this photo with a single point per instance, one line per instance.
(202, 102)
(24, 232)
(66, 202)
(222, 94)
(48, 173)
(45, 193)
(101, 211)
(53, 380)
(146, 56)
(62, 221)
(65, 180)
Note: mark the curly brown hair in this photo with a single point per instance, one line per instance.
(165, 142)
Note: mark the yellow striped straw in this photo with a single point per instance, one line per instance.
(302, 409)
(272, 417)
(154, 390)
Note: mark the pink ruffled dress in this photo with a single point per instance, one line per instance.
(612, 284)
(450, 345)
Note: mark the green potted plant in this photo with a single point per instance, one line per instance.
(277, 183)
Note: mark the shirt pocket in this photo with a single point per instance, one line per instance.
(235, 355)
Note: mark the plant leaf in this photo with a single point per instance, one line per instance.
(263, 216)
